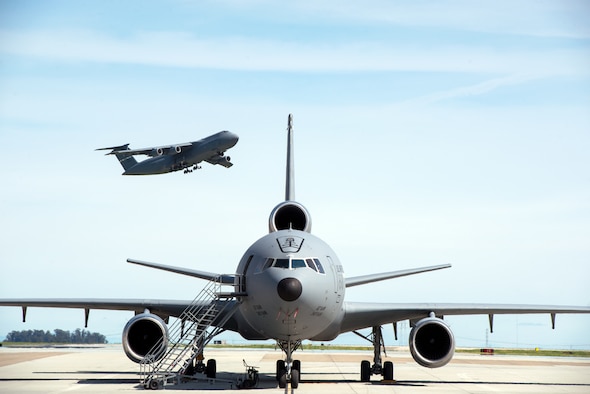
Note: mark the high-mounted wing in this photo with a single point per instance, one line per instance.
(158, 150)
(221, 160)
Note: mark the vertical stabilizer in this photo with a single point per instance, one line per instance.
(290, 183)
(126, 160)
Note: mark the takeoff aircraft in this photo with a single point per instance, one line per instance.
(176, 157)
(289, 286)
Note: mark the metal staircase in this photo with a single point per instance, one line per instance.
(187, 336)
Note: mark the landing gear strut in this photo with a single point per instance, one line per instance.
(379, 367)
(288, 370)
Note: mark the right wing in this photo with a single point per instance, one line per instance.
(159, 307)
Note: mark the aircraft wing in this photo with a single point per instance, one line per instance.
(156, 150)
(159, 307)
(360, 315)
(221, 160)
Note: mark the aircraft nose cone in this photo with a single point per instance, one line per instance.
(289, 289)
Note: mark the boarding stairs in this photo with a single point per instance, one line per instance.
(187, 336)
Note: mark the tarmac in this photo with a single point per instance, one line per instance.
(105, 369)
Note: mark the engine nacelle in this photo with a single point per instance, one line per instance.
(289, 215)
(175, 150)
(432, 343)
(142, 333)
(220, 159)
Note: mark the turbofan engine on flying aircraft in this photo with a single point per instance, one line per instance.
(289, 215)
(142, 333)
(220, 159)
(432, 343)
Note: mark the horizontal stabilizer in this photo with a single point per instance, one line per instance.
(115, 149)
(361, 280)
(210, 276)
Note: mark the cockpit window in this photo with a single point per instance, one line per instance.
(298, 263)
(312, 263)
(268, 263)
(281, 263)
(320, 268)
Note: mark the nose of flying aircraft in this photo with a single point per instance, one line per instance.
(289, 289)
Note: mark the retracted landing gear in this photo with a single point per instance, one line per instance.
(379, 367)
(289, 370)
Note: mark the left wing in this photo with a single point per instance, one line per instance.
(220, 159)
(360, 315)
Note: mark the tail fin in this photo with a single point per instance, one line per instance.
(290, 181)
(126, 160)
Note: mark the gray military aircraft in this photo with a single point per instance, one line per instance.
(289, 286)
(176, 157)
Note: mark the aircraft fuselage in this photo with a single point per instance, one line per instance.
(295, 287)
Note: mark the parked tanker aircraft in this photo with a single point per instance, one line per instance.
(176, 157)
(289, 286)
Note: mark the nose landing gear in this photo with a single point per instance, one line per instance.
(289, 370)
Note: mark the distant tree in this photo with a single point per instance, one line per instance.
(58, 336)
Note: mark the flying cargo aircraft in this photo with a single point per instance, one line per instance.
(289, 286)
(176, 157)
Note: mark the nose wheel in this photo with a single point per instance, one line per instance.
(289, 370)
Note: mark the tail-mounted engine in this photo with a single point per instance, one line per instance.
(432, 343)
(289, 215)
(142, 333)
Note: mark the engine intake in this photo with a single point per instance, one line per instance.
(142, 333)
(289, 215)
(432, 343)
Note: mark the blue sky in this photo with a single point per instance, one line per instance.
(426, 133)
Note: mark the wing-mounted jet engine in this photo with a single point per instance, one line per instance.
(142, 333)
(432, 343)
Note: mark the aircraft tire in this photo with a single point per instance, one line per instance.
(211, 370)
(387, 370)
(365, 371)
(281, 369)
(283, 380)
(294, 378)
(297, 366)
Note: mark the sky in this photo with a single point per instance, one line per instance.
(426, 132)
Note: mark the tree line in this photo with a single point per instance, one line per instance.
(57, 336)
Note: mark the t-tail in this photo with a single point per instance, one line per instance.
(126, 160)
(289, 214)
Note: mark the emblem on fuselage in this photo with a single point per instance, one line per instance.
(290, 244)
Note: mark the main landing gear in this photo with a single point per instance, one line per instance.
(379, 367)
(189, 170)
(289, 370)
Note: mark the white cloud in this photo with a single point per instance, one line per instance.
(566, 19)
(170, 49)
